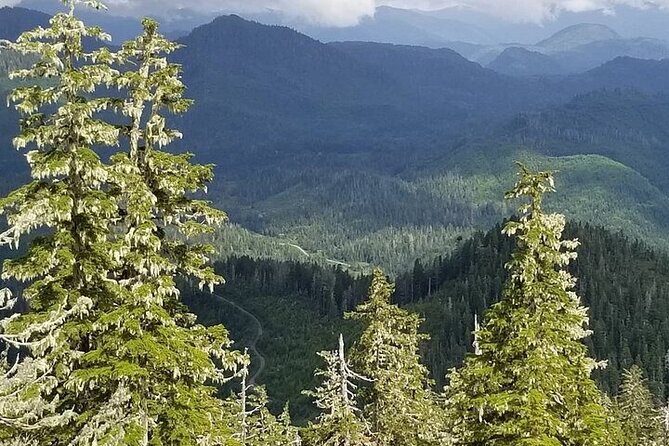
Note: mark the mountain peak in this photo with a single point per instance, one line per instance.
(245, 33)
(518, 61)
(577, 35)
(16, 20)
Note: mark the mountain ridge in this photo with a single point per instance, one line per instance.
(578, 35)
(332, 145)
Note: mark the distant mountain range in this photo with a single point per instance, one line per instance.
(15, 21)
(263, 89)
(339, 146)
(574, 47)
(466, 24)
(400, 26)
(345, 141)
(175, 22)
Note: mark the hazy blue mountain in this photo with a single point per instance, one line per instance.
(258, 86)
(455, 26)
(344, 146)
(442, 27)
(576, 36)
(627, 21)
(175, 22)
(478, 37)
(14, 21)
(442, 77)
(592, 55)
(583, 47)
(402, 26)
(575, 49)
(269, 88)
(574, 45)
(518, 61)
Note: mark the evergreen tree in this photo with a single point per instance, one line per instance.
(340, 423)
(399, 404)
(114, 357)
(640, 420)
(530, 381)
(68, 265)
(166, 359)
(254, 424)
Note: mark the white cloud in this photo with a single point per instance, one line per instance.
(329, 12)
(530, 10)
(350, 12)
(321, 12)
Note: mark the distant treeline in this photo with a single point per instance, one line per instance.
(624, 282)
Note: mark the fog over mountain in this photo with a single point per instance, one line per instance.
(343, 13)
(525, 21)
(575, 49)
(435, 28)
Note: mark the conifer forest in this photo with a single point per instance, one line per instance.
(228, 233)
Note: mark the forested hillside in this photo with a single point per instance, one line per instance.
(625, 284)
(16, 21)
(396, 170)
(354, 295)
(623, 124)
(339, 148)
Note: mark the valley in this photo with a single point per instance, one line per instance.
(340, 150)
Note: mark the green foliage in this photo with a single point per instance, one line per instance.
(67, 270)
(530, 383)
(340, 422)
(115, 357)
(299, 307)
(399, 403)
(371, 214)
(357, 216)
(252, 422)
(624, 282)
(641, 421)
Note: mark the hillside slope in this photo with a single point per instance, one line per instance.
(518, 61)
(363, 151)
(577, 35)
(300, 306)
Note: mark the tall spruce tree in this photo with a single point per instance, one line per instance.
(66, 267)
(340, 422)
(148, 341)
(530, 381)
(113, 357)
(399, 403)
(640, 419)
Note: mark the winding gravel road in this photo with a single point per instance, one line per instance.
(253, 346)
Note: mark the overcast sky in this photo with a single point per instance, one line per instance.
(349, 12)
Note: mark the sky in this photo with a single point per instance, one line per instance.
(350, 12)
